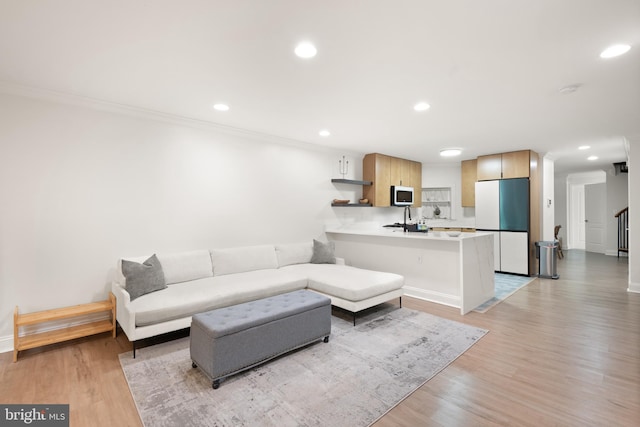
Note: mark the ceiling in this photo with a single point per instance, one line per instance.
(491, 70)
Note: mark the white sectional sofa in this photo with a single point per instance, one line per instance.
(203, 280)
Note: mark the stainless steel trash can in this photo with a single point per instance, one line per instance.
(547, 254)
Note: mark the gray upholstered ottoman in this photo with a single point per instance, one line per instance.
(228, 340)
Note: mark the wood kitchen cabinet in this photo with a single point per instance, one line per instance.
(469, 178)
(416, 179)
(514, 164)
(377, 169)
(489, 167)
(384, 171)
(402, 172)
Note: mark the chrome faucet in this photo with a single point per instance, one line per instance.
(406, 209)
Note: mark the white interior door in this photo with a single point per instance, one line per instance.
(595, 202)
(576, 228)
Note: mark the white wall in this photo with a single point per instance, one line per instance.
(548, 199)
(617, 199)
(560, 202)
(81, 187)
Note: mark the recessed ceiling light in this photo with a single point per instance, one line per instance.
(592, 158)
(615, 50)
(584, 147)
(450, 152)
(324, 133)
(221, 107)
(306, 50)
(421, 106)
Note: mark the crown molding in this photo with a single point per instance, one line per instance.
(143, 113)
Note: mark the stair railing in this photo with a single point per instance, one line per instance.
(623, 230)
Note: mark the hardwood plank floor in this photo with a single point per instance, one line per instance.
(559, 352)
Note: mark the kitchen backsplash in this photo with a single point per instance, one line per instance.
(368, 216)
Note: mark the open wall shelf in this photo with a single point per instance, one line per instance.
(350, 181)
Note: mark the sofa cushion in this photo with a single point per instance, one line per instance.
(323, 253)
(196, 296)
(240, 260)
(346, 282)
(294, 253)
(185, 266)
(143, 278)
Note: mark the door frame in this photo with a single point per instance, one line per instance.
(593, 212)
(575, 208)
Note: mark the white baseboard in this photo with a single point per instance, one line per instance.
(437, 297)
(6, 344)
(615, 253)
(634, 287)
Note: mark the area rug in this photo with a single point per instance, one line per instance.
(506, 285)
(353, 380)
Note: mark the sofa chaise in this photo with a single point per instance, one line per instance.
(202, 280)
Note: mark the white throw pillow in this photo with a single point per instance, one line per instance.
(294, 253)
(186, 266)
(239, 260)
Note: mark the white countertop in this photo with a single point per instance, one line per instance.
(450, 223)
(399, 233)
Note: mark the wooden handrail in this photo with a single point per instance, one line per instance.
(621, 212)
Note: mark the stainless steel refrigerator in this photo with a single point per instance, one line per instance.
(502, 207)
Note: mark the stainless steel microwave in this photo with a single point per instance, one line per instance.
(401, 196)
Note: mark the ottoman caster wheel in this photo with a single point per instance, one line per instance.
(326, 339)
(193, 365)
(216, 384)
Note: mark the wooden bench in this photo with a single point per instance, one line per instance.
(37, 339)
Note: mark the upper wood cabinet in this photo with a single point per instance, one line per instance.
(377, 169)
(406, 172)
(397, 172)
(503, 166)
(516, 164)
(416, 179)
(489, 167)
(469, 178)
(384, 171)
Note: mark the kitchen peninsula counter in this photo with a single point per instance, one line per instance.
(455, 271)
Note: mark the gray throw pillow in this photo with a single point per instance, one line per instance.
(143, 278)
(323, 253)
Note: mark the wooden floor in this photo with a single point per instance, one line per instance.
(559, 353)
